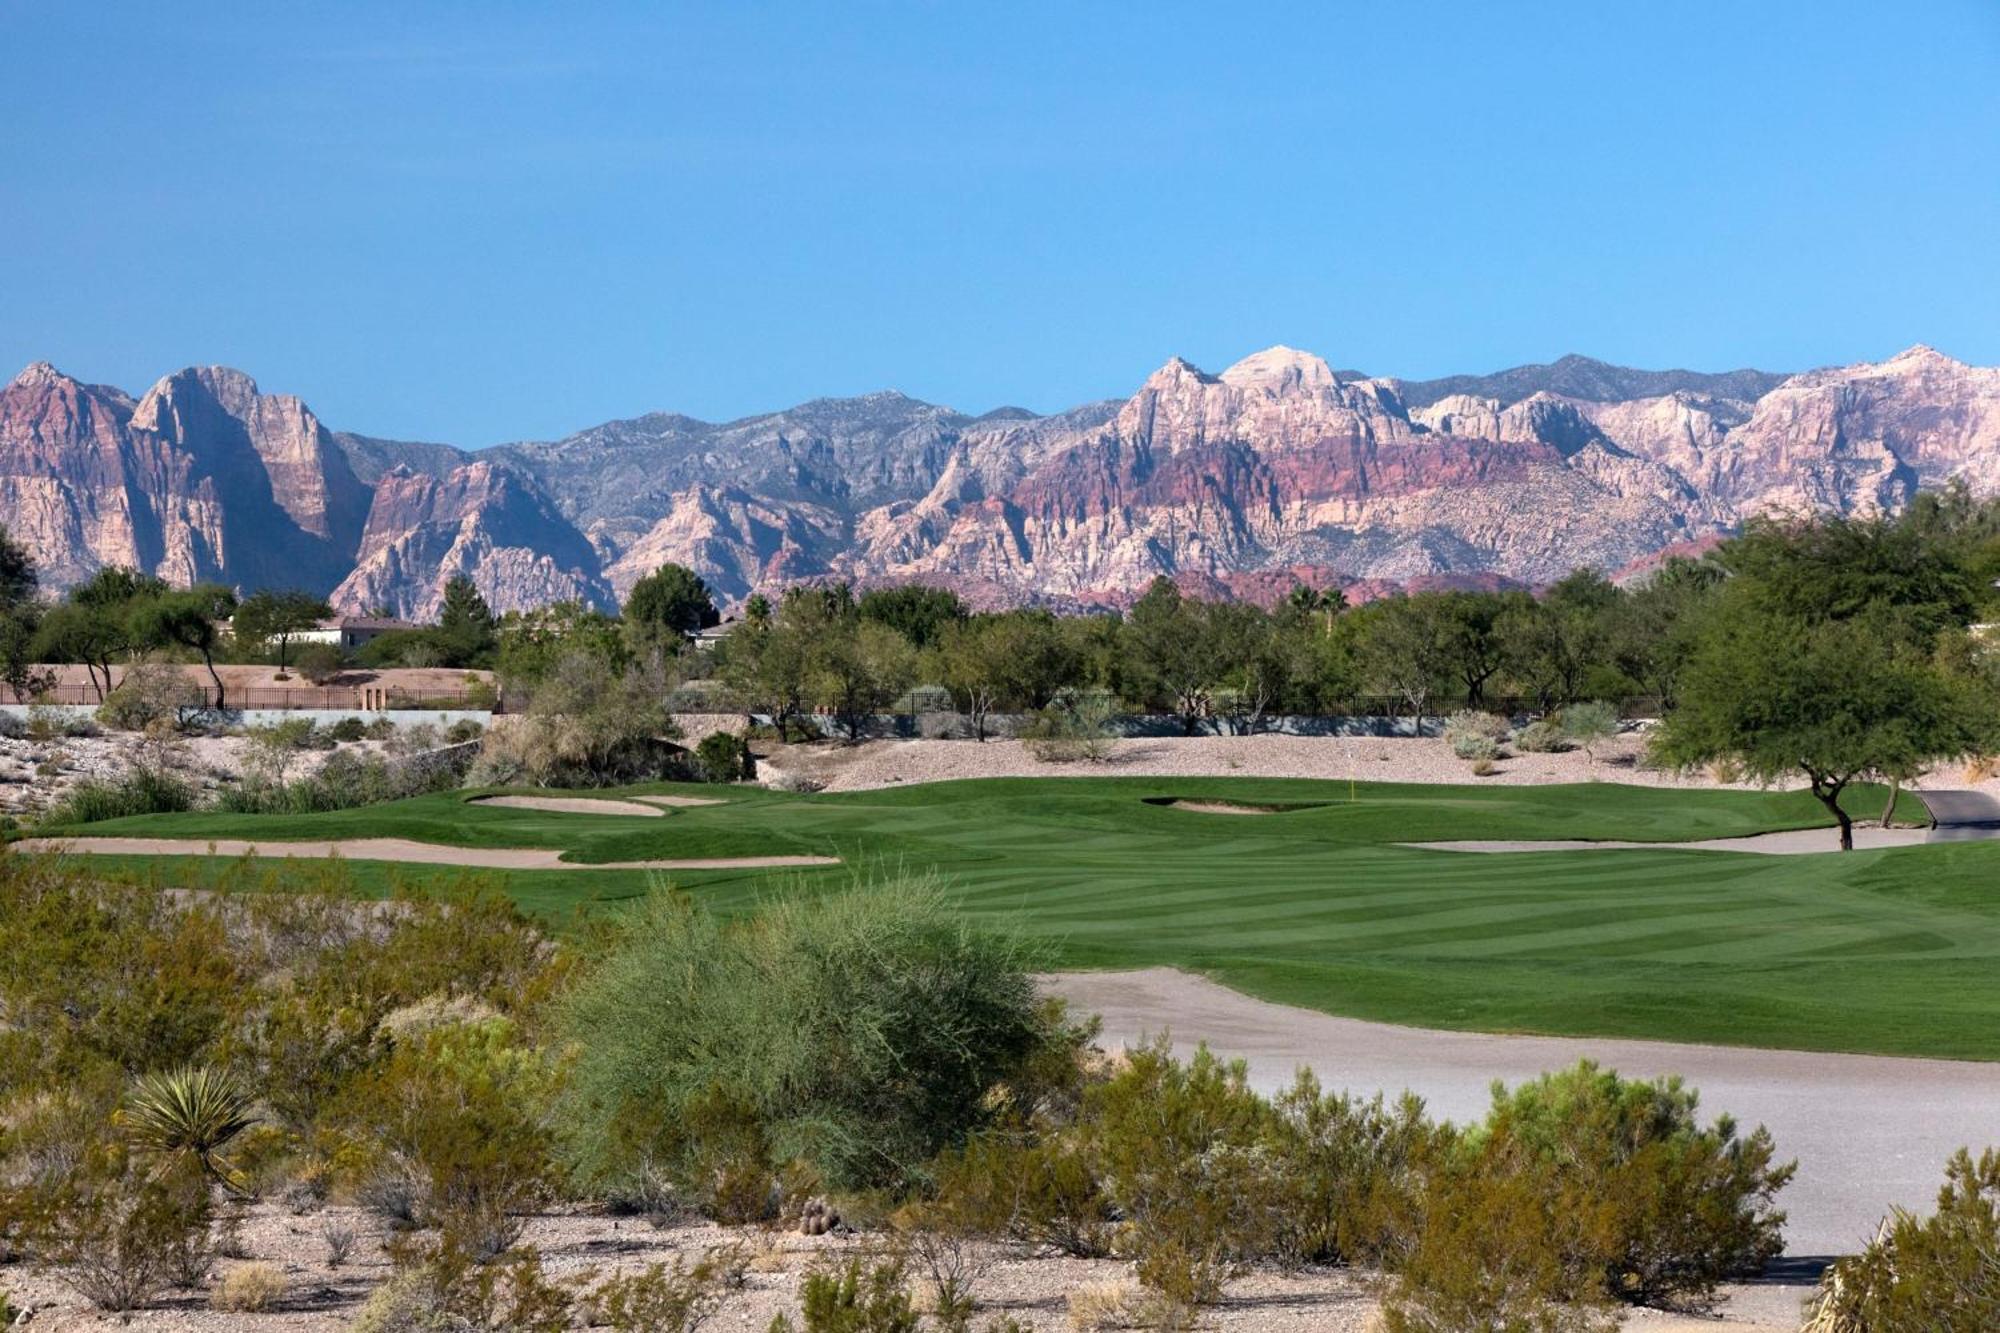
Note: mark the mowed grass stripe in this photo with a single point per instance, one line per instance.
(1893, 951)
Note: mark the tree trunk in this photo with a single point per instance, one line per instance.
(1889, 810)
(208, 660)
(1830, 798)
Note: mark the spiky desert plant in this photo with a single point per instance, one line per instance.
(189, 1115)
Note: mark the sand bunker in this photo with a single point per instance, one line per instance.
(1796, 842)
(569, 805)
(677, 802)
(401, 849)
(1231, 807)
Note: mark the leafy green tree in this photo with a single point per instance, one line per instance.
(1554, 644)
(918, 612)
(278, 617)
(1834, 700)
(1652, 632)
(532, 643)
(669, 605)
(188, 618)
(859, 668)
(1405, 644)
(20, 615)
(1173, 652)
(1478, 649)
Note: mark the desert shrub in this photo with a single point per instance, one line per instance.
(249, 1288)
(1544, 737)
(1939, 1273)
(347, 730)
(1102, 1305)
(149, 693)
(723, 757)
(454, 1129)
(586, 725)
(661, 1299)
(1074, 728)
(1179, 1149)
(1484, 768)
(340, 1237)
(1471, 722)
(1496, 1253)
(142, 791)
(318, 662)
(1590, 724)
(1662, 1208)
(1041, 1189)
(856, 1298)
(859, 1032)
(463, 731)
(344, 781)
(1348, 1175)
(103, 982)
(276, 749)
(122, 1235)
(1470, 746)
(941, 1240)
(439, 1286)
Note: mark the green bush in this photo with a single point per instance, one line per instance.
(152, 693)
(457, 1119)
(860, 1032)
(1589, 724)
(1939, 1273)
(1348, 1173)
(438, 1286)
(723, 757)
(660, 1299)
(1676, 1207)
(854, 1299)
(142, 791)
(1074, 728)
(1469, 746)
(1471, 722)
(347, 730)
(1544, 737)
(1497, 1252)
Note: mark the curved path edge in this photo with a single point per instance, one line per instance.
(401, 849)
(1868, 1131)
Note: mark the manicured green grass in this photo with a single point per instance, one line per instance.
(1892, 951)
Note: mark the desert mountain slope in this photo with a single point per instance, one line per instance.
(1275, 468)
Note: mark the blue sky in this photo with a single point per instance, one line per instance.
(484, 222)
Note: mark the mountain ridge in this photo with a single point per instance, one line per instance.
(1277, 467)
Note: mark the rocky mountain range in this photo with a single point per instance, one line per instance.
(1278, 468)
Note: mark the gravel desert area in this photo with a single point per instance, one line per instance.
(1425, 759)
(1039, 1292)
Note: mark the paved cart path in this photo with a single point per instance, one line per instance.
(1868, 1131)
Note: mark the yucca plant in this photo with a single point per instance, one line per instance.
(189, 1115)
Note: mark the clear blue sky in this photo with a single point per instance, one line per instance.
(485, 222)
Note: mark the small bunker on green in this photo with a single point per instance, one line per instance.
(1203, 805)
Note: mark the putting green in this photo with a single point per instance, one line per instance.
(1313, 903)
